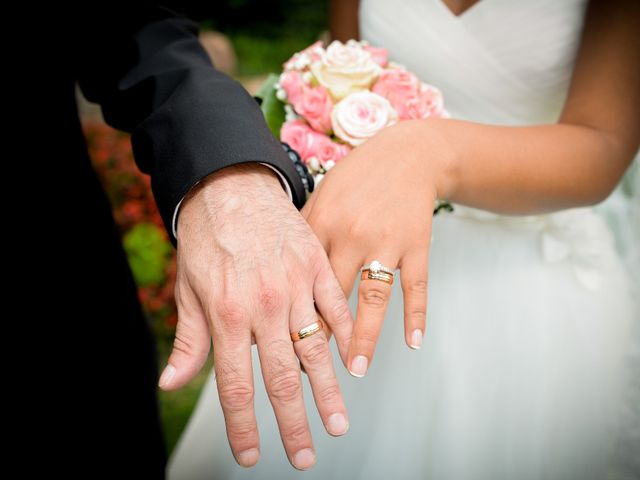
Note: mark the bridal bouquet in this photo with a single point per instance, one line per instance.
(330, 100)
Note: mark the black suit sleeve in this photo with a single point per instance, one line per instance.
(153, 79)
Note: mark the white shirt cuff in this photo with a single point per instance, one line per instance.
(283, 181)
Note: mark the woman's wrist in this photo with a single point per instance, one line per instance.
(425, 144)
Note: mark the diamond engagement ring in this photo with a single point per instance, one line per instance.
(376, 267)
(376, 271)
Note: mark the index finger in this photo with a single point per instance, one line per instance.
(334, 309)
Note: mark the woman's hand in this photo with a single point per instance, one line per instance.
(377, 204)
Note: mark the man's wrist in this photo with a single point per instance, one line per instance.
(283, 180)
(233, 180)
(305, 177)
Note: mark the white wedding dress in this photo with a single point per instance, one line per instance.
(524, 370)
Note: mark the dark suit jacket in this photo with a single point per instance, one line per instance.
(148, 72)
(188, 120)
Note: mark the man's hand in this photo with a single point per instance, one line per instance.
(249, 266)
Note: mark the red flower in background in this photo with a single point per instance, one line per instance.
(150, 254)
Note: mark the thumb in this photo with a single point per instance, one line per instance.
(190, 346)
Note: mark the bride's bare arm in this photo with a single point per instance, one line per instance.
(577, 161)
(376, 203)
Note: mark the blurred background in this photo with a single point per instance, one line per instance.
(247, 39)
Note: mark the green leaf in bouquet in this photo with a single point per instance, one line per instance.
(272, 108)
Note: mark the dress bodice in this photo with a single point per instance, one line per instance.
(501, 61)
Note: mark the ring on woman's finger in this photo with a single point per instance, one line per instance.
(307, 331)
(384, 277)
(376, 271)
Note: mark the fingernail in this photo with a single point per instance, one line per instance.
(248, 458)
(167, 375)
(304, 459)
(416, 339)
(337, 424)
(359, 366)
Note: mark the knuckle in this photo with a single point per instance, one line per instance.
(374, 297)
(316, 352)
(184, 301)
(241, 430)
(357, 230)
(418, 287)
(367, 337)
(229, 311)
(341, 313)
(270, 300)
(385, 233)
(418, 314)
(296, 433)
(185, 343)
(315, 258)
(330, 394)
(361, 229)
(286, 386)
(236, 396)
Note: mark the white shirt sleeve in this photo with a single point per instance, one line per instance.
(283, 181)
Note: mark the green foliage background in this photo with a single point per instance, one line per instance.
(264, 32)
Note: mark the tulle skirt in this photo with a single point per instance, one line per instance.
(524, 372)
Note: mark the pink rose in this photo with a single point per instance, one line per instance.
(312, 103)
(309, 143)
(315, 105)
(329, 151)
(411, 98)
(299, 136)
(291, 82)
(428, 103)
(302, 60)
(378, 55)
(398, 86)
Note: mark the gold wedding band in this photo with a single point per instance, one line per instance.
(307, 331)
(376, 271)
(382, 276)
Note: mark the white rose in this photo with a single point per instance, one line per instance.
(344, 69)
(360, 116)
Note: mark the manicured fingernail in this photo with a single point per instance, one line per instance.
(304, 459)
(337, 424)
(167, 375)
(359, 366)
(416, 339)
(248, 458)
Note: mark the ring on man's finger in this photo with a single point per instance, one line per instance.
(307, 331)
